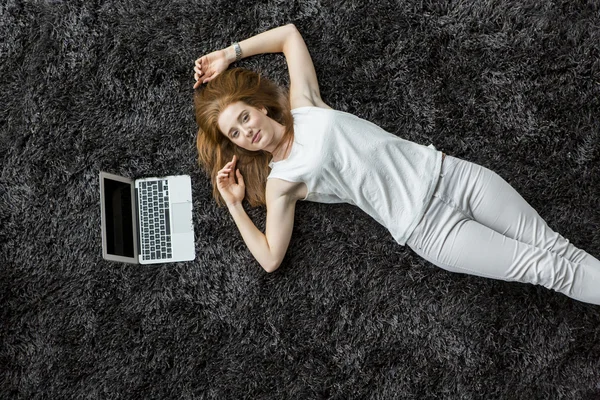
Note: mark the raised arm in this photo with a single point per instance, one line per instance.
(304, 87)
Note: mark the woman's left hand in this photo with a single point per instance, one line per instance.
(232, 192)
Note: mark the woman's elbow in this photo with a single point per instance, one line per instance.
(271, 266)
(292, 30)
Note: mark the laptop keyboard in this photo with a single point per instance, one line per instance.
(155, 227)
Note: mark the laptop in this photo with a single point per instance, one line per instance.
(147, 221)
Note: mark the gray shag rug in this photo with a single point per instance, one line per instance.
(107, 85)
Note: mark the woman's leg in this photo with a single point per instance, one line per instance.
(468, 227)
(490, 200)
(472, 248)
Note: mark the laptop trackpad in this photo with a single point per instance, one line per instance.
(181, 216)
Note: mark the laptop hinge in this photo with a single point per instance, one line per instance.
(137, 219)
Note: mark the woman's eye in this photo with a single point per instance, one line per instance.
(234, 134)
(246, 118)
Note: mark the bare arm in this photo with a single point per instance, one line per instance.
(269, 248)
(304, 87)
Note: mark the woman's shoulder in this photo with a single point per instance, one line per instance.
(277, 187)
(311, 114)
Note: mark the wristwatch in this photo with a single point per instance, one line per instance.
(238, 51)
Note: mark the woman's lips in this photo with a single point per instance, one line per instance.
(256, 137)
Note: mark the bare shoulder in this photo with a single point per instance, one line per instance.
(279, 187)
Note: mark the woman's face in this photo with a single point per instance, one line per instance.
(247, 127)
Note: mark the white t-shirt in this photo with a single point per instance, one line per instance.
(343, 158)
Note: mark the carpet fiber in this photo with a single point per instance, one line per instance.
(107, 85)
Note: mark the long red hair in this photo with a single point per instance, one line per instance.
(215, 149)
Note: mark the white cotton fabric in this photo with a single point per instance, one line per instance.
(343, 158)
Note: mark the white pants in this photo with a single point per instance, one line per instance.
(478, 224)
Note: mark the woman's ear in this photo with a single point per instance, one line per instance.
(263, 110)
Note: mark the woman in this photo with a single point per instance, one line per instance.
(458, 215)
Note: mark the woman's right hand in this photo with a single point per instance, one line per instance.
(231, 191)
(209, 66)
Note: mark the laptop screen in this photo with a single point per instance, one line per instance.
(119, 218)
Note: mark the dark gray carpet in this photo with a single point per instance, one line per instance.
(107, 85)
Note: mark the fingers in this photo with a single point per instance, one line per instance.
(232, 162)
(202, 72)
(206, 78)
(198, 72)
(225, 182)
(225, 172)
(210, 77)
(203, 77)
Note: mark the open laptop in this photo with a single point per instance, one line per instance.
(147, 221)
